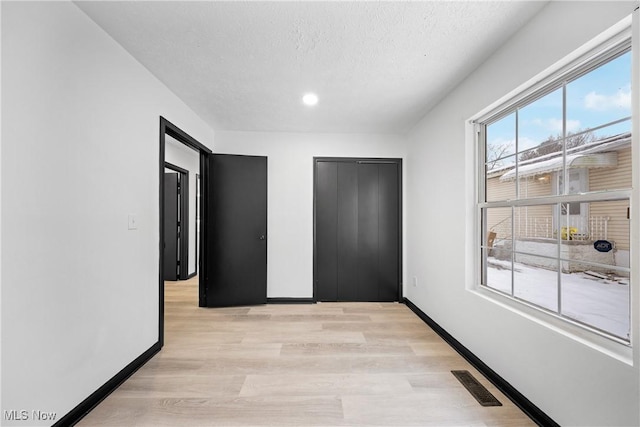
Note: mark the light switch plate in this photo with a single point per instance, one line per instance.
(133, 222)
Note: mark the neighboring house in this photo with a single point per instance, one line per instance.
(604, 164)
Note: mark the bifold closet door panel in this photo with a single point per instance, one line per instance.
(347, 239)
(326, 231)
(368, 228)
(357, 235)
(388, 229)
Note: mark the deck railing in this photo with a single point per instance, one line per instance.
(544, 227)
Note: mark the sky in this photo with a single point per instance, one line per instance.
(594, 99)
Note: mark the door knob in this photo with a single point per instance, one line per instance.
(262, 237)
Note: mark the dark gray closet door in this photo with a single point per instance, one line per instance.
(326, 222)
(357, 244)
(347, 232)
(368, 238)
(388, 232)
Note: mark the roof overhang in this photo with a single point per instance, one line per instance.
(574, 161)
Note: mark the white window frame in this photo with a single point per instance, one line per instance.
(618, 40)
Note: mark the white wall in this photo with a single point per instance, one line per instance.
(573, 382)
(180, 155)
(80, 151)
(290, 194)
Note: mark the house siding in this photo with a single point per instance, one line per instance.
(535, 221)
(614, 179)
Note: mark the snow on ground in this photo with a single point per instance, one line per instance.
(601, 303)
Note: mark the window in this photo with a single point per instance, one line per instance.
(554, 194)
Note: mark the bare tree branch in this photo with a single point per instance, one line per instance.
(553, 144)
(495, 154)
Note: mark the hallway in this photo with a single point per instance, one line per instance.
(323, 364)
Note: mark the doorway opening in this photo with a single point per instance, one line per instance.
(180, 259)
(183, 161)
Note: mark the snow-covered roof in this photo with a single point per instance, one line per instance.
(610, 144)
(582, 160)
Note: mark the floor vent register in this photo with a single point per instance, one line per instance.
(477, 390)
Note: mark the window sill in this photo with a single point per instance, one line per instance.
(592, 338)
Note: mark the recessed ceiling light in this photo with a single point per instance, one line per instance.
(310, 99)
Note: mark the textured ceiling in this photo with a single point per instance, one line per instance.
(377, 67)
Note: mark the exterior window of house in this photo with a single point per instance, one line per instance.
(554, 191)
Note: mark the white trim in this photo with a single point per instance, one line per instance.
(634, 225)
(607, 344)
(474, 163)
(597, 196)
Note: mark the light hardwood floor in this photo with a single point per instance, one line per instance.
(328, 364)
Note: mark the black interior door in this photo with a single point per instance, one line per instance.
(183, 231)
(357, 230)
(236, 270)
(181, 260)
(170, 226)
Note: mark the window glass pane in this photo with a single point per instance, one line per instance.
(601, 96)
(498, 274)
(597, 299)
(535, 280)
(541, 153)
(578, 183)
(615, 172)
(535, 184)
(604, 135)
(602, 222)
(498, 253)
(498, 226)
(501, 140)
(573, 221)
(540, 123)
(500, 183)
(535, 230)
